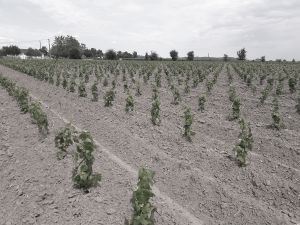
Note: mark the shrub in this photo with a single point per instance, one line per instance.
(155, 93)
(209, 86)
(81, 90)
(72, 85)
(57, 80)
(39, 117)
(292, 84)
(176, 97)
(279, 88)
(86, 78)
(232, 93)
(298, 106)
(245, 144)
(83, 175)
(277, 121)
(138, 89)
(201, 102)
(64, 139)
(235, 109)
(105, 82)
(143, 210)
(109, 98)
(95, 92)
(65, 83)
(158, 80)
(188, 120)
(22, 96)
(155, 112)
(129, 103)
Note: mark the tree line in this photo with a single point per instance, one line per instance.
(69, 47)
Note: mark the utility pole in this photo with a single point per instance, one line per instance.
(49, 48)
(40, 44)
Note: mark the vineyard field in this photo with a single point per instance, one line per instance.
(199, 177)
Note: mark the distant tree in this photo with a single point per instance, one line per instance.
(33, 52)
(74, 53)
(127, 55)
(88, 53)
(11, 50)
(119, 54)
(134, 54)
(146, 56)
(94, 52)
(242, 54)
(99, 53)
(293, 61)
(44, 50)
(225, 58)
(153, 56)
(62, 46)
(190, 55)
(174, 55)
(263, 59)
(110, 54)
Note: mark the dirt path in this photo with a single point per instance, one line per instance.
(206, 185)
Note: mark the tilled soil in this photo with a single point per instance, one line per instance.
(196, 183)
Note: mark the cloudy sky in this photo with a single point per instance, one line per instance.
(263, 27)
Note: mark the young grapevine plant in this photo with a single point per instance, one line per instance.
(82, 175)
(143, 210)
(188, 121)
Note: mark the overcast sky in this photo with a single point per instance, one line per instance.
(263, 27)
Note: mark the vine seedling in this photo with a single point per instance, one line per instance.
(82, 175)
(129, 103)
(143, 210)
(188, 121)
(201, 102)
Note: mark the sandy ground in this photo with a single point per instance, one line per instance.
(197, 183)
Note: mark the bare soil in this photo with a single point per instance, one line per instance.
(196, 183)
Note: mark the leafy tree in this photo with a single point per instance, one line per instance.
(225, 58)
(99, 53)
(153, 56)
(63, 45)
(190, 55)
(11, 50)
(134, 54)
(94, 52)
(44, 50)
(33, 52)
(263, 58)
(174, 55)
(88, 53)
(110, 54)
(74, 53)
(242, 54)
(147, 56)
